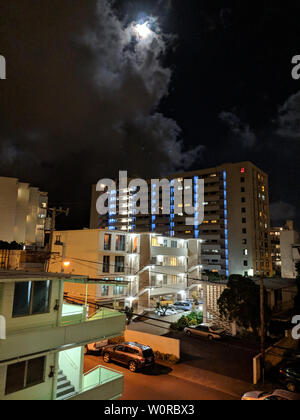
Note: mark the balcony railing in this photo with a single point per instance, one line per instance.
(99, 376)
(79, 315)
(100, 384)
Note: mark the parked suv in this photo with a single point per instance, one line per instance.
(289, 375)
(212, 332)
(133, 355)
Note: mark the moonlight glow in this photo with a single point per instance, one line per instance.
(143, 31)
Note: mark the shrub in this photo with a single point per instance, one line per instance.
(190, 320)
(116, 340)
(169, 358)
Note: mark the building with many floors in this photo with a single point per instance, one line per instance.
(42, 341)
(235, 231)
(285, 246)
(275, 249)
(136, 268)
(23, 212)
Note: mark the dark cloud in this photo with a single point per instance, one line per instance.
(240, 130)
(82, 96)
(288, 121)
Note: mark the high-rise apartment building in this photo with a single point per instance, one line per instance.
(23, 212)
(235, 232)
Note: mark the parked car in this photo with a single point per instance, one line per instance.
(168, 312)
(133, 355)
(210, 331)
(183, 305)
(95, 347)
(289, 375)
(278, 395)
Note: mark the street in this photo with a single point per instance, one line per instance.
(207, 371)
(158, 384)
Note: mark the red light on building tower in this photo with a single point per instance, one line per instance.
(243, 170)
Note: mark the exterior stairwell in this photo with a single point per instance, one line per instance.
(65, 389)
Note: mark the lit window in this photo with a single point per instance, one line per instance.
(242, 170)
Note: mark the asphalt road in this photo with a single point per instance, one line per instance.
(158, 384)
(232, 358)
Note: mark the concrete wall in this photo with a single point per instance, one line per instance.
(157, 343)
(8, 204)
(287, 239)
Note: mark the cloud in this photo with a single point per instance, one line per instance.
(91, 89)
(288, 121)
(281, 211)
(240, 130)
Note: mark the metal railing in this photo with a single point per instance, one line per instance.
(99, 376)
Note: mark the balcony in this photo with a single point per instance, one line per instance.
(100, 384)
(71, 328)
(168, 251)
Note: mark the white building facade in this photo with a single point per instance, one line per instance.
(23, 212)
(290, 251)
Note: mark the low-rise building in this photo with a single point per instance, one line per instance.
(42, 345)
(142, 267)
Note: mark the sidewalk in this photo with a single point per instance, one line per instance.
(230, 386)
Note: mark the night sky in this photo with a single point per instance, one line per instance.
(85, 96)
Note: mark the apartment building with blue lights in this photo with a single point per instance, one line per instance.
(235, 233)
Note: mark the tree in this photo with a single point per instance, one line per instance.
(240, 302)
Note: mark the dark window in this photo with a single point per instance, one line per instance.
(22, 299)
(243, 189)
(119, 264)
(120, 243)
(173, 244)
(148, 353)
(245, 263)
(244, 220)
(243, 200)
(107, 242)
(35, 371)
(244, 231)
(41, 297)
(244, 241)
(242, 179)
(104, 290)
(15, 378)
(106, 263)
(24, 375)
(31, 298)
(243, 210)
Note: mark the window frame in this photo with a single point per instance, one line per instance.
(25, 377)
(32, 300)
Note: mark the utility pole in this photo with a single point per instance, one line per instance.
(262, 326)
(54, 212)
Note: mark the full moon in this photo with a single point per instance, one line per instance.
(143, 31)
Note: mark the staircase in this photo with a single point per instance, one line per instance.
(65, 389)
